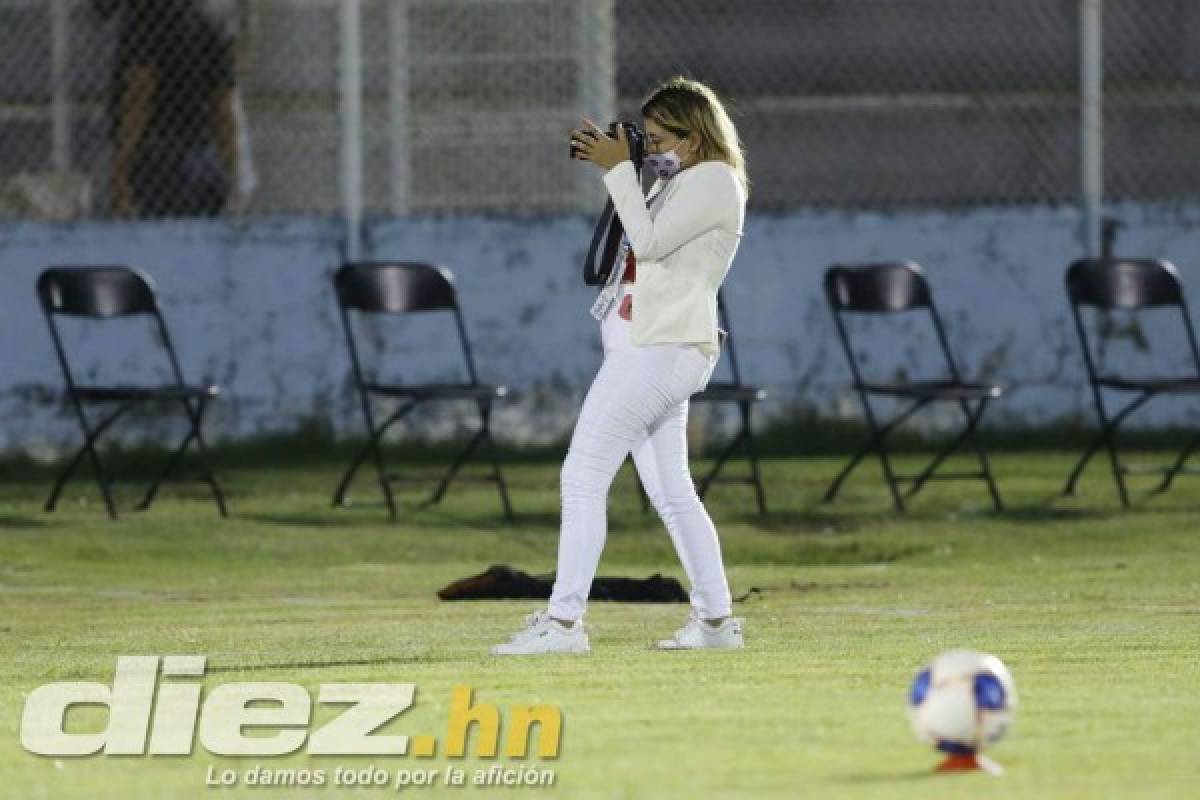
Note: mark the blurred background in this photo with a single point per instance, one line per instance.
(238, 150)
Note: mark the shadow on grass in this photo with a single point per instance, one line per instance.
(888, 777)
(374, 515)
(356, 662)
(833, 521)
(331, 518)
(20, 521)
(1046, 511)
(819, 519)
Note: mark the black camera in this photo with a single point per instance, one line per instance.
(605, 248)
(633, 134)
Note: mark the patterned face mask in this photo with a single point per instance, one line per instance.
(665, 165)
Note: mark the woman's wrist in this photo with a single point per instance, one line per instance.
(617, 166)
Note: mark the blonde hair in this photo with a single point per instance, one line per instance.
(683, 106)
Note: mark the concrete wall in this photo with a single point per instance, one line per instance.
(251, 309)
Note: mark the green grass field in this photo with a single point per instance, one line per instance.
(1096, 611)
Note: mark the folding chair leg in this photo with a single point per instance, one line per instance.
(752, 452)
(52, 500)
(711, 475)
(195, 418)
(499, 476)
(1115, 460)
(371, 448)
(886, 462)
(970, 432)
(167, 469)
(984, 463)
(862, 453)
(1091, 450)
(923, 478)
(339, 494)
(1108, 432)
(997, 503)
(1177, 466)
(381, 471)
(876, 443)
(90, 437)
(209, 477)
(455, 467)
(1105, 440)
(101, 479)
(743, 435)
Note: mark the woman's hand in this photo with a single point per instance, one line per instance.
(593, 144)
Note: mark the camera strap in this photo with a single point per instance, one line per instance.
(598, 264)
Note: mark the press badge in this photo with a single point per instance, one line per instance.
(608, 295)
(604, 302)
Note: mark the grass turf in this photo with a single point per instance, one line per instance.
(1095, 610)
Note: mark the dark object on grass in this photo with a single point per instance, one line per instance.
(503, 582)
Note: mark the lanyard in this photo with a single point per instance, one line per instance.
(608, 295)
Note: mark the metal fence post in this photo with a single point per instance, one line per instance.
(60, 63)
(351, 111)
(597, 88)
(398, 79)
(1091, 88)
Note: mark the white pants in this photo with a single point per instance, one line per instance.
(637, 404)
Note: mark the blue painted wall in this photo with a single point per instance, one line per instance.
(251, 309)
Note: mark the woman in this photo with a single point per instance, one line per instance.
(659, 328)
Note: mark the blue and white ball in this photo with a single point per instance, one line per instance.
(962, 701)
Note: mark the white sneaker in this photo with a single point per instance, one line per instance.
(699, 635)
(542, 634)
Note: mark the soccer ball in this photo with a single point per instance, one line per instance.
(962, 702)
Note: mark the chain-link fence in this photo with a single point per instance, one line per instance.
(880, 103)
(1151, 99)
(195, 107)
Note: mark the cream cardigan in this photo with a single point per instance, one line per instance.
(684, 247)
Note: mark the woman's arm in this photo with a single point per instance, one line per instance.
(707, 200)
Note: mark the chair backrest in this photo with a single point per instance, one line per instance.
(1126, 284)
(1123, 283)
(96, 292)
(395, 287)
(882, 288)
(398, 287)
(106, 292)
(877, 288)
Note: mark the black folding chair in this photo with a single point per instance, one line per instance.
(890, 288)
(405, 288)
(744, 397)
(106, 293)
(1116, 284)
(731, 391)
